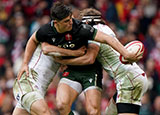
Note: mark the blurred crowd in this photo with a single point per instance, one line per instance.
(129, 19)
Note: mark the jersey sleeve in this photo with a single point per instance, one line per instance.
(88, 31)
(106, 29)
(93, 42)
(41, 34)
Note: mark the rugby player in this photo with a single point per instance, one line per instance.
(130, 79)
(29, 91)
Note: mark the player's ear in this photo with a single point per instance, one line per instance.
(73, 16)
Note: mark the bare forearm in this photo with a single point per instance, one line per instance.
(57, 51)
(86, 59)
(29, 50)
(74, 61)
(104, 38)
(53, 50)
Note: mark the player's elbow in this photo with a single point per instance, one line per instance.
(90, 60)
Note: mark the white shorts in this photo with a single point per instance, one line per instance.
(76, 85)
(28, 99)
(26, 92)
(131, 89)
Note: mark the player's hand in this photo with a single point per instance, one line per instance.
(23, 69)
(132, 57)
(80, 52)
(45, 44)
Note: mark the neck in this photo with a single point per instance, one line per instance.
(58, 29)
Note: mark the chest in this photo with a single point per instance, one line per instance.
(68, 40)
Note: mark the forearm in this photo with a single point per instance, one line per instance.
(88, 58)
(57, 51)
(29, 50)
(114, 43)
(75, 61)
(52, 50)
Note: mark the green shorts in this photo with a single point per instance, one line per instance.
(87, 79)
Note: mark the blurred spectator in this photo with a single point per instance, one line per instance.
(124, 8)
(4, 34)
(32, 7)
(155, 55)
(3, 59)
(153, 80)
(37, 22)
(156, 106)
(111, 12)
(146, 105)
(6, 98)
(101, 5)
(149, 41)
(83, 4)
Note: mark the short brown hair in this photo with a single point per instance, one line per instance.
(60, 11)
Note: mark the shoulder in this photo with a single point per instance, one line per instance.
(106, 29)
(44, 29)
(84, 30)
(81, 26)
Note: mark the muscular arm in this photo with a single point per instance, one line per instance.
(57, 51)
(86, 59)
(29, 50)
(104, 38)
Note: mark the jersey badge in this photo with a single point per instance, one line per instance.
(53, 39)
(68, 37)
(90, 80)
(65, 74)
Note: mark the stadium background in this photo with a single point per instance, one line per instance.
(130, 19)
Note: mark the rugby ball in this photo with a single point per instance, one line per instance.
(135, 47)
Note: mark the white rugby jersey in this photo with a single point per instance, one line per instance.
(109, 58)
(46, 68)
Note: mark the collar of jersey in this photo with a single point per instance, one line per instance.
(52, 25)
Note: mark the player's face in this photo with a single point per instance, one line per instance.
(65, 24)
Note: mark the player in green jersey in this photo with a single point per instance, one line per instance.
(130, 80)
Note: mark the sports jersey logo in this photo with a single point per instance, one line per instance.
(17, 97)
(68, 37)
(53, 39)
(90, 80)
(67, 46)
(65, 74)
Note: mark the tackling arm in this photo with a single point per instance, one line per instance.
(57, 51)
(29, 50)
(88, 58)
(104, 38)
